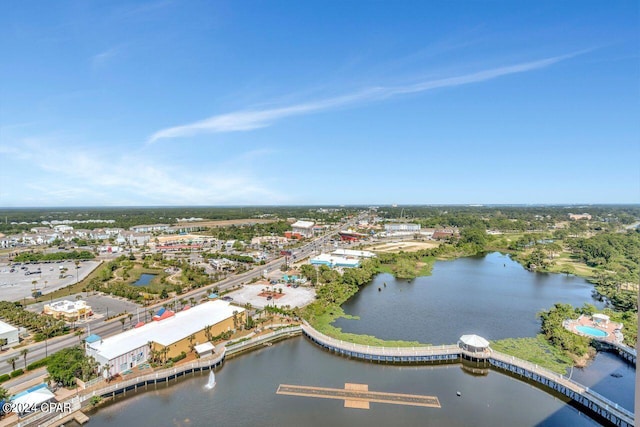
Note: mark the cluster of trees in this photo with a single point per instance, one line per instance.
(191, 277)
(617, 257)
(70, 363)
(43, 326)
(233, 257)
(334, 289)
(55, 256)
(508, 218)
(247, 232)
(577, 346)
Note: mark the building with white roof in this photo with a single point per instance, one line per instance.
(11, 333)
(335, 261)
(68, 310)
(352, 253)
(167, 338)
(303, 228)
(402, 228)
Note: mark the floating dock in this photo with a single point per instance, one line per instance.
(359, 396)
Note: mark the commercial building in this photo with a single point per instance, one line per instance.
(335, 261)
(402, 228)
(167, 337)
(68, 310)
(303, 228)
(11, 333)
(352, 253)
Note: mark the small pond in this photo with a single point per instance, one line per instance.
(144, 279)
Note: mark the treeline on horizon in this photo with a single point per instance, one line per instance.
(126, 217)
(453, 215)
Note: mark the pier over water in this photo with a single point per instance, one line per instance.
(601, 407)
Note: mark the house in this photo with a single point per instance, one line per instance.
(133, 238)
(63, 228)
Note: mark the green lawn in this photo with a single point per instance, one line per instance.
(535, 350)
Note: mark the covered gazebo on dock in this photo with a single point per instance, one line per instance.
(473, 343)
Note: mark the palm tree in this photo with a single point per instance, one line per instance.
(192, 338)
(4, 394)
(122, 320)
(207, 332)
(23, 353)
(78, 333)
(12, 361)
(130, 316)
(235, 319)
(106, 370)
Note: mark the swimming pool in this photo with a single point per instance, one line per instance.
(588, 330)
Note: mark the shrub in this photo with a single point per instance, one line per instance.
(17, 373)
(179, 357)
(4, 377)
(37, 364)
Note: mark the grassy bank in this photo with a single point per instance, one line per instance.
(322, 323)
(535, 350)
(406, 265)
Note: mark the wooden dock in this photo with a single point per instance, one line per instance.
(359, 396)
(77, 416)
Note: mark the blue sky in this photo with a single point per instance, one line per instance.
(329, 102)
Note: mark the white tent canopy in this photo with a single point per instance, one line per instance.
(474, 341)
(601, 316)
(34, 399)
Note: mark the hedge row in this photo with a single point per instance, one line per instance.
(38, 364)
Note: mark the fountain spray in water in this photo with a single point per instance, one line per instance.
(212, 381)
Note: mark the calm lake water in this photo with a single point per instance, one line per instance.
(144, 279)
(491, 296)
(246, 386)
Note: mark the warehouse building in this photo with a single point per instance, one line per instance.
(168, 336)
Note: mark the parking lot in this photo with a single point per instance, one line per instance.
(293, 297)
(19, 283)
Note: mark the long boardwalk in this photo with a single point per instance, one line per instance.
(580, 394)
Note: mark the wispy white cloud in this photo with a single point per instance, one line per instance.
(255, 119)
(85, 176)
(104, 57)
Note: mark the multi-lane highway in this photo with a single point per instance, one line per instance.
(104, 329)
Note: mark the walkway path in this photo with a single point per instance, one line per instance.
(595, 402)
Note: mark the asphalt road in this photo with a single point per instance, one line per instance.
(38, 351)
